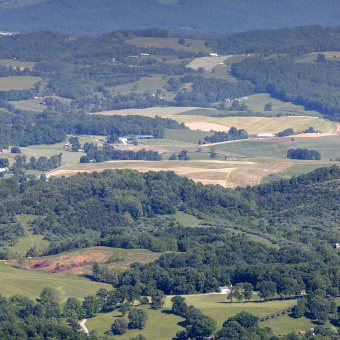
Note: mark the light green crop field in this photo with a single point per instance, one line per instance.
(328, 147)
(16, 63)
(191, 45)
(208, 63)
(17, 83)
(31, 282)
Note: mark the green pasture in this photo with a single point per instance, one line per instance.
(191, 45)
(256, 103)
(187, 136)
(158, 326)
(34, 104)
(31, 282)
(29, 240)
(18, 83)
(17, 63)
(145, 84)
(220, 308)
(164, 325)
(208, 63)
(327, 146)
(284, 324)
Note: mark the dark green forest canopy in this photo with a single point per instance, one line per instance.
(30, 128)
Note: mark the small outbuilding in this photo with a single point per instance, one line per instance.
(224, 289)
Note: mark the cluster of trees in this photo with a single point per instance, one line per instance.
(197, 323)
(109, 152)
(22, 318)
(232, 134)
(286, 132)
(303, 154)
(317, 307)
(42, 163)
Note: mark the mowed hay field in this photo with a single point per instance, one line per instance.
(208, 63)
(31, 282)
(253, 125)
(17, 83)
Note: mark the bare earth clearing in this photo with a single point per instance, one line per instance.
(100, 256)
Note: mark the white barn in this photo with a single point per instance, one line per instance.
(224, 289)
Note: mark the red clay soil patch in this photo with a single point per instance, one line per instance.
(80, 263)
(64, 268)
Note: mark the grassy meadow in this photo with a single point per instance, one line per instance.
(163, 324)
(191, 45)
(17, 82)
(31, 282)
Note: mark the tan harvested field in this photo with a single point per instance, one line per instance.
(253, 176)
(97, 254)
(253, 125)
(229, 173)
(208, 63)
(149, 112)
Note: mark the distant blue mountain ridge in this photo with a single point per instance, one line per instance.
(198, 17)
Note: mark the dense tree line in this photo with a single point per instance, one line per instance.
(50, 127)
(42, 163)
(232, 134)
(314, 85)
(292, 40)
(286, 132)
(109, 152)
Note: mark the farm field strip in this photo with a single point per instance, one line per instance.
(18, 82)
(208, 63)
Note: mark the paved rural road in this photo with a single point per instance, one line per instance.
(82, 325)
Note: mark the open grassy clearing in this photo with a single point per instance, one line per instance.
(256, 103)
(312, 57)
(16, 63)
(29, 240)
(208, 63)
(191, 45)
(328, 147)
(34, 104)
(158, 326)
(145, 84)
(31, 282)
(220, 308)
(285, 323)
(17, 83)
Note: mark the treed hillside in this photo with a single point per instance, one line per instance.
(92, 17)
